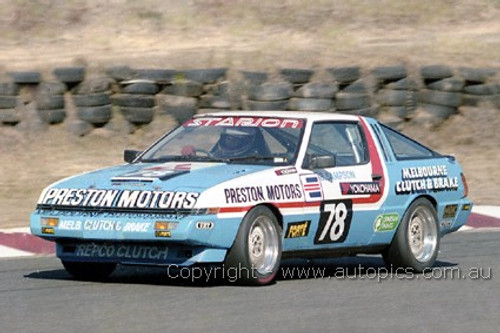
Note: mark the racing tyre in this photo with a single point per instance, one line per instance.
(266, 105)
(451, 84)
(142, 88)
(270, 91)
(90, 271)
(389, 73)
(29, 77)
(310, 104)
(296, 75)
(256, 252)
(204, 76)
(254, 78)
(185, 88)
(136, 101)
(434, 72)
(321, 90)
(345, 74)
(352, 101)
(360, 86)
(9, 88)
(97, 99)
(161, 76)
(70, 74)
(416, 243)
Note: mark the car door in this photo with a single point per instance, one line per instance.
(350, 171)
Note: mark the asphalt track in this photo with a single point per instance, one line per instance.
(462, 294)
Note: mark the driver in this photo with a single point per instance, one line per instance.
(236, 142)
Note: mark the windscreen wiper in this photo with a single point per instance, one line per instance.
(183, 158)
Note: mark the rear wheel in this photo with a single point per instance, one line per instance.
(416, 243)
(256, 253)
(92, 271)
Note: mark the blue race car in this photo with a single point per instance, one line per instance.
(244, 190)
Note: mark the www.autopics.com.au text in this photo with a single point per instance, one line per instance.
(379, 274)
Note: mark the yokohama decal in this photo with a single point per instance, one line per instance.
(360, 188)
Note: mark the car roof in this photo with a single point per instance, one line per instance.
(314, 116)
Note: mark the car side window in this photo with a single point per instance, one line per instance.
(404, 147)
(343, 140)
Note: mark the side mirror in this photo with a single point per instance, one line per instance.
(130, 155)
(322, 162)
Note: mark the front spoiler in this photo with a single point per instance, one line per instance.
(138, 253)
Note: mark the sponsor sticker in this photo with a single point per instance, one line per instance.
(360, 188)
(277, 192)
(119, 198)
(103, 225)
(245, 122)
(422, 179)
(297, 229)
(312, 187)
(386, 222)
(162, 172)
(204, 225)
(287, 171)
(121, 251)
(446, 223)
(450, 211)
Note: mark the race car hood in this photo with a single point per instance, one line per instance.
(172, 185)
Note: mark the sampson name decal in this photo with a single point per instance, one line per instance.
(119, 198)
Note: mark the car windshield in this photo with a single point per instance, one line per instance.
(231, 139)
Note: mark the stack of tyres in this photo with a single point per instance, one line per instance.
(9, 97)
(70, 76)
(136, 100)
(268, 96)
(218, 96)
(307, 95)
(314, 96)
(10, 105)
(396, 94)
(353, 96)
(50, 102)
(180, 97)
(92, 100)
(442, 94)
(479, 87)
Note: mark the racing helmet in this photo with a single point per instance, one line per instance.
(236, 142)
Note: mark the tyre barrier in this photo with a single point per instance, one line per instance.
(389, 93)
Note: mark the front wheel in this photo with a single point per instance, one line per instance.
(256, 253)
(90, 271)
(416, 243)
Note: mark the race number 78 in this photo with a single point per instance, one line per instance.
(334, 222)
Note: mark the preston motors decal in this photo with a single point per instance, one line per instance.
(119, 198)
(334, 222)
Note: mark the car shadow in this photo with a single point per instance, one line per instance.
(345, 268)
